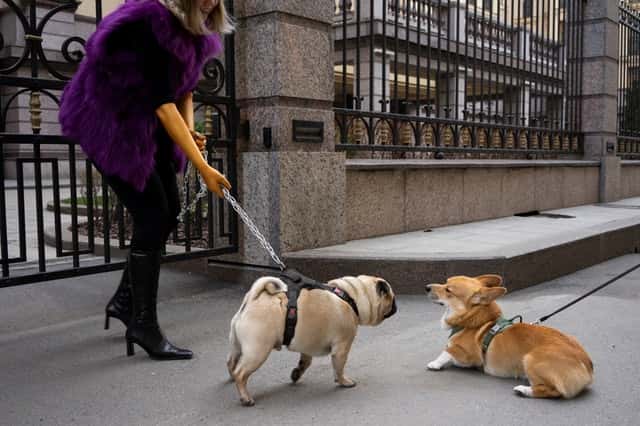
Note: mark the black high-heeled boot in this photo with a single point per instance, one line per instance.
(143, 330)
(120, 305)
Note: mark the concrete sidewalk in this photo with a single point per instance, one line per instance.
(58, 367)
(526, 250)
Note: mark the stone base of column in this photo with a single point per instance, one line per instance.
(609, 179)
(297, 200)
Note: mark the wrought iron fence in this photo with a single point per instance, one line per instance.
(53, 204)
(436, 78)
(628, 80)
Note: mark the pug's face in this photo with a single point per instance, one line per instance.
(373, 295)
(387, 299)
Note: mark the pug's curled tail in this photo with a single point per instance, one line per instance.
(271, 285)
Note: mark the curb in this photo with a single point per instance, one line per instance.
(66, 209)
(409, 276)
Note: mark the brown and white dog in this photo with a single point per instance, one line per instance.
(326, 325)
(555, 364)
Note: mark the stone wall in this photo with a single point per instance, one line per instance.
(386, 197)
(630, 179)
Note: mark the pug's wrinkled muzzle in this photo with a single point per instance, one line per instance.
(394, 309)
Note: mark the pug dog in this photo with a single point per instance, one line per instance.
(326, 325)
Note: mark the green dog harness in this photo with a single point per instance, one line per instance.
(501, 325)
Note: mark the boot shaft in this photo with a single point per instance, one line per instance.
(144, 272)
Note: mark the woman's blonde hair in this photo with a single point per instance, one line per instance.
(218, 21)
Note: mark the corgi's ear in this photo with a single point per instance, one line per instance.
(484, 296)
(490, 280)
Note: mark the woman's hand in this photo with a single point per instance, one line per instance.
(215, 181)
(178, 131)
(200, 139)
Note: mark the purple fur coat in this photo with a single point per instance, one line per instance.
(103, 107)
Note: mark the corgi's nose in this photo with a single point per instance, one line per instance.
(427, 288)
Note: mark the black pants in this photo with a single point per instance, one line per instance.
(154, 210)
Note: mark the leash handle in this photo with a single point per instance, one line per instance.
(573, 302)
(203, 191)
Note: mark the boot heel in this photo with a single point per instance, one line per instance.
(130, 351)
(106, 321)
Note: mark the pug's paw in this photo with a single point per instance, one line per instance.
(345, 382)
(295, 375)
(248, 402)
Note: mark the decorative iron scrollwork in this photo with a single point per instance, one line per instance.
(33, 49)
(214, 77)
(73, 56)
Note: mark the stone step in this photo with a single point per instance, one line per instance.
(524, 250)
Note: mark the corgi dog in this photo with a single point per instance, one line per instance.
(555, 364)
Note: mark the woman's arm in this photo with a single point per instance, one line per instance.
(178, 131)
(185, 106)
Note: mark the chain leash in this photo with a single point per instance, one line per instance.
(203, 191)
(253, 228)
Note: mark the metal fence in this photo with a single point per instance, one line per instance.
(436, 78)
(628, 80)
(57, 216)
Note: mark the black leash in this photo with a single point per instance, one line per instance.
(611, 281)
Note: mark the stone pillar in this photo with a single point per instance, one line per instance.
(293, 188)
(366, 11)
(524, 44)
(516, 104)
(379, 84)
(458, 21)
(599, 93)
(452, 95)
(522, 106)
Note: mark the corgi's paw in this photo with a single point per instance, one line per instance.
(435, 366)
(443, 361)
(524, 391)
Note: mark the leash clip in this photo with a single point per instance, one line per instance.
(519, 317)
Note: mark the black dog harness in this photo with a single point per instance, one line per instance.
(297, 282)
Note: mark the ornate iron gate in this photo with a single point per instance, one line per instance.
(57, 216)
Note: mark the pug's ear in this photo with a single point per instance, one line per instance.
(383, 288)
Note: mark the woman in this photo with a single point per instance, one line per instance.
(130, 108)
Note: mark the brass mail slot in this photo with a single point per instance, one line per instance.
(308, 131)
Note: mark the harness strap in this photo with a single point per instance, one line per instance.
(501, 325)
(292, 316)
(455, 330)
(297, 282)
